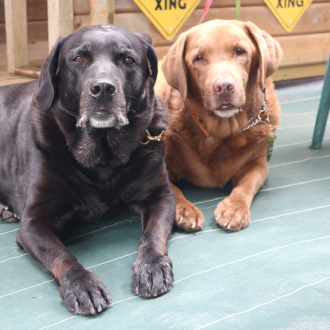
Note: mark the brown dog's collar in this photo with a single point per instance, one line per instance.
(200, 122)
(157, 138)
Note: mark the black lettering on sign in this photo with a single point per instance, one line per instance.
(169, 4)
(289, 3)
(158, 4)
(278, 5)
(182, 6)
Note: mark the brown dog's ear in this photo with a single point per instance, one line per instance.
(270, 51)
(174, 66)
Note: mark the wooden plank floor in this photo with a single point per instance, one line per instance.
(274, 274)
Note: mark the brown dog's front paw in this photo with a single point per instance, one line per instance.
(232, 214)
(188, 216)
(84, 293)
(152, 276)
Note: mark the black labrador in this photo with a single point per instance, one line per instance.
(80, 143)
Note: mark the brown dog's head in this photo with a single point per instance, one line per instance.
(216, 62)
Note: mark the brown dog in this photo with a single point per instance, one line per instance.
(220, 129)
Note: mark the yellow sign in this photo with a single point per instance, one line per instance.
(288, 12)
(167, 15)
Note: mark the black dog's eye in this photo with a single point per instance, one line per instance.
(78, 59)
(198, 58)
(128, 60)
(240, 51)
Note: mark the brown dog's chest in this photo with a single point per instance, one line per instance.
(210, 162)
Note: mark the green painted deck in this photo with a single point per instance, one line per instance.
(275, 274)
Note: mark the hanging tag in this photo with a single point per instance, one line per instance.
(270, 147)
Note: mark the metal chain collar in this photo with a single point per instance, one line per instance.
(261, 117)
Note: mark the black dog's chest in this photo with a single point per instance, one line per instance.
(105, 189)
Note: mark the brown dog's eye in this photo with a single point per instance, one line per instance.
(240, 51)
(198, 58)
(78, 59)
(128, 60)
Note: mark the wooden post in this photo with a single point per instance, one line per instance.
(16, 34)
(60, 19)
(102, 11)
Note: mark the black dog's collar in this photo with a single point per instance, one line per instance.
(149, 137)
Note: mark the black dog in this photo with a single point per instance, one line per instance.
(70, 150)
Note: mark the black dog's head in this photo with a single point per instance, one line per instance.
(98, 74)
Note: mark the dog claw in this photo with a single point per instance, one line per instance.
(232, 214)
(188, 216)
(152, 277)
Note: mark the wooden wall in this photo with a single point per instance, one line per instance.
(306, 48)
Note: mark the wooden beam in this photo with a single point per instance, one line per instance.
(28, 72)
(60, 19)
(16, 34)
(299, 72)
(102, 11)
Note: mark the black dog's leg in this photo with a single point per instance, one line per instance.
(152, 270)
(82, 291)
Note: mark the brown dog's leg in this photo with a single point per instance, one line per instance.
(233, 213)
(82, 291)
(152, 270)
(188, 216)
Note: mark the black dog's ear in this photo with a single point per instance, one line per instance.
(152, 56)
(46, 92)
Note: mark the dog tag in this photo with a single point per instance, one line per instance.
(270, 147)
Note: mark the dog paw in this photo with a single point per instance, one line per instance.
(152, 277)
(6, 215)
(85, 294)
(232, 214)
(188, 216)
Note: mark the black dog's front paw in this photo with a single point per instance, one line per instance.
(84, 293)
(152, 276)
(7, 215)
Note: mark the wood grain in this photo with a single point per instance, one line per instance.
(60, 19)
(16, 34)
(101, 12)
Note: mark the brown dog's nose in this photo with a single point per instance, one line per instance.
(224, 86)
(102, 88)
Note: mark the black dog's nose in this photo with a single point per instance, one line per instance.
(101, 88)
